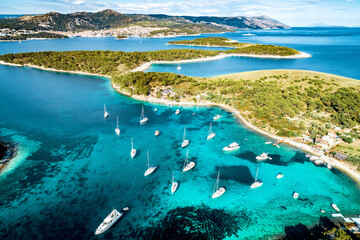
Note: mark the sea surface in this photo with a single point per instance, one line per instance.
(72, 169)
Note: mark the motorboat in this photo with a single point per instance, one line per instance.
(335, 207)
(177, 111)
(157, 133)
(233, 146)
(108, 221)
(280, 175)
(295, 195)
(263, 156)
(217, 117)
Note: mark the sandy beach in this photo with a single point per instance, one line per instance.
(147, 65)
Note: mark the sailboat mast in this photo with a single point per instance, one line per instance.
(104, 108)
(148, 158)
(132, 143)
(117, 121)
(172, 180)
(256, 173)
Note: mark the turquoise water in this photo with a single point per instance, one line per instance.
(333, 50)
(72, 169)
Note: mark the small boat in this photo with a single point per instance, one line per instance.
(278, 142)
(106, 114)
(322, 210)
(233, 146)
(217, 192)
(143, 119)
(263, 156)
(178, 67)
(268, 142)
(117, 129)
(185, 142)
(318, 161)
(177, 111)
(151, 168)
(280, 175)
(155, 110)
(211, 135)
(313, 157)
(248, 34)
(277, 146)
(174, 184)
(108, 221)
(157, 133)
(257, 182)
(328, 165)
(335, 207)
(126, 209)
(188, 165)
(193, 114)
(295, 195)
(133, 150)
(217, 117)
(308, 155)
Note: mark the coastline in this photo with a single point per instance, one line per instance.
(147, 65)
(343, 167)
(7, 153)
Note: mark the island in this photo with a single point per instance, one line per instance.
(309, 110)
(26, 36)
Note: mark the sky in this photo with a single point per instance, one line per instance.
(295, 13)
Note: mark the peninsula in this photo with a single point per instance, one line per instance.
(306, 109)
(111, 23)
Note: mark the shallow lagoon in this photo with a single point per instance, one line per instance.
(72, 169)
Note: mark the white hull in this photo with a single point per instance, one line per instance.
(335, 207)
(150, 170)
(217, 117)
(228, 149)
(318, 162)
(178, 68)
(313, 158)
(328, 166)
(219, 192)
(191, 165)
(144, 120)
(108, 221)
(177, 111)
(211, 136)
(174, 186)
(256, 184)
(117, 131)
(295, 195)
(185, 143)
(268, 142)
(106, 115)
(157, 133)
(133, 153)
(279, 176)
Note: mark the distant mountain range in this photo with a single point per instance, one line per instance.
(109, 19)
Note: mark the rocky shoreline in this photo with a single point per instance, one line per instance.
(7, 152)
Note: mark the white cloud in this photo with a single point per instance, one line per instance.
(79, 2)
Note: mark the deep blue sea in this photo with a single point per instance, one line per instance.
(71, 169)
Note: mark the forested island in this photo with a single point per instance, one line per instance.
(42, 35)
(239, 48)
(289, 103)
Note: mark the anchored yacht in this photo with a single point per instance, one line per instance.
(257, 182)
(263, 156)
(217, 192)
(108, 221)
(106, 114)
(233, 146)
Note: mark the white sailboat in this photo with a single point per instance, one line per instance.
(217, 192)
(133, 150)
(177, 112)
(210, 133)
(257, 182)
(217, 117)
(185, 142)
(106, 114)
(280, 175)
(151, 168)
(178, 67)
(174, 184)
(117, 129)
(143, 119)
(188, 165)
